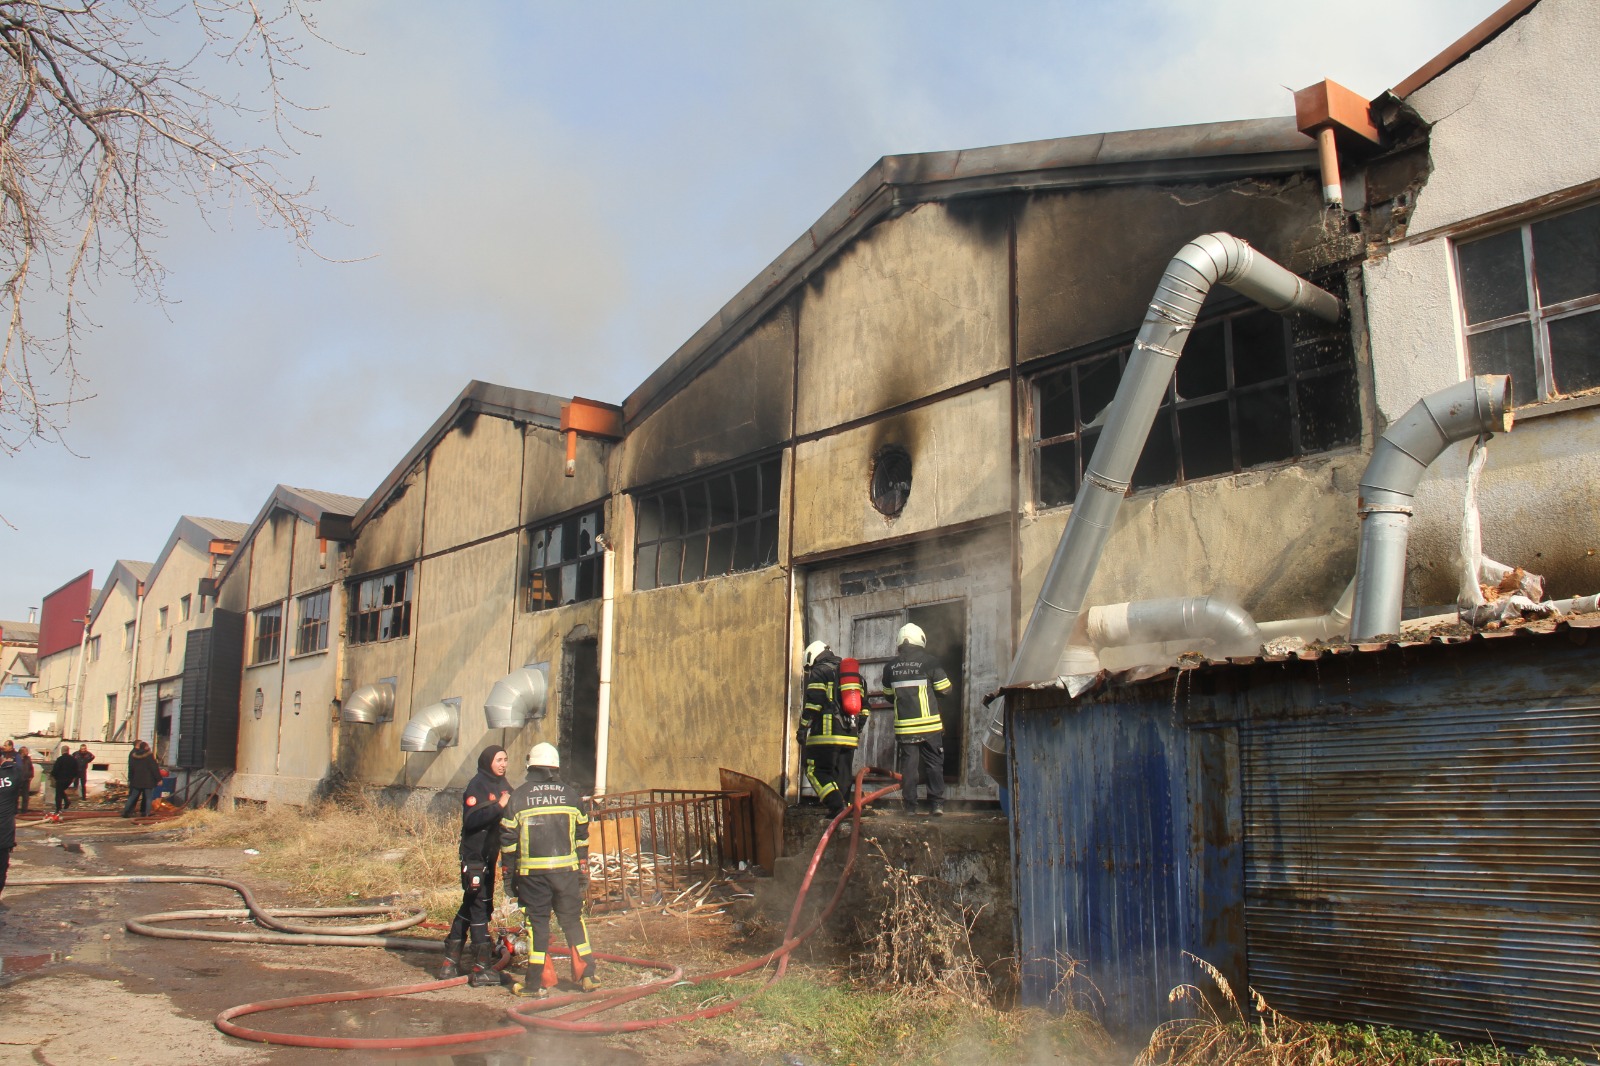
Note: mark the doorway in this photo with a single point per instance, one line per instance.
(580, 713)
(946, 627)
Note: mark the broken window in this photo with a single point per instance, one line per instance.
(1252, 388)
(267, 629)
(1529, 298)
(715, 525)
(311, 635)
(891, 480)
(564, 560)
(380, 608)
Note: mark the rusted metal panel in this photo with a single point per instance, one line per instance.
(655, 846)
(1433, 865)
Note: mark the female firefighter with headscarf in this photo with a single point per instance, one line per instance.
(482, 805)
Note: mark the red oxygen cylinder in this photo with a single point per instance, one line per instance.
(850, 686)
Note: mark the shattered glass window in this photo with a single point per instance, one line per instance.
(723, 523)
(380, 607)
(564, 559)
(1252, 388)
(1530, 304)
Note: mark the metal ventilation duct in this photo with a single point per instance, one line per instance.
(518, 698)
(370, 704)
(436, 726)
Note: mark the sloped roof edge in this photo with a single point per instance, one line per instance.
(197, 533)
(501, 401)
(898, 182)
(309, 504)
(1465, 45)
(124, 570)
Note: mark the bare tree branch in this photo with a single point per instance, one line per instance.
(98, 134)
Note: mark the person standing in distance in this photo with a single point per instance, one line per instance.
(10, 790)
(144, 775)
(482, 804)
(915, 681)
(544, 853)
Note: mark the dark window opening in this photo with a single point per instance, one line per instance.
(891, 480)
(722, 524)
(268, 635)
(380, 608)
(564, 561)
(1251, 388)
(311, 635)
(1530, 300)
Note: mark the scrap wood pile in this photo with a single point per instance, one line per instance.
(623, 881)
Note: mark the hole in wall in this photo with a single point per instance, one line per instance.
(890, 484)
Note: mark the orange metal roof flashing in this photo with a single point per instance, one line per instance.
(1327, 104)
(591, 418)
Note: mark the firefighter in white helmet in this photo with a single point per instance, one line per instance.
(828, 734)
(914, 680)
(544, 854)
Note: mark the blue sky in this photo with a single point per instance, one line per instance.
(556, 196)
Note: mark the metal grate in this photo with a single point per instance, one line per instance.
(650, 846)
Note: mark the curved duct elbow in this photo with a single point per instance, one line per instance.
(436, 726)
(518, 698)
(1195, 618)
(1464, 410)
(370, 704)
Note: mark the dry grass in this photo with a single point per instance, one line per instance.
(352, 848)
(920, 938)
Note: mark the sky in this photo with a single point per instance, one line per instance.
(556, 196)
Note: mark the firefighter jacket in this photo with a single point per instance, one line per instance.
(10, 793)
(481, 813)
(823, 721)
(915, 681)
(545, 826)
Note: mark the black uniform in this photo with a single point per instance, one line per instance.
(829, 735)
(544, 848)
(10, 791)
(482, 805)
(915, 681)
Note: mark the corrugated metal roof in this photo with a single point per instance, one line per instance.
(1446, 633)
(220, 528)
(20, 632)
(330, 501)
(309, 504)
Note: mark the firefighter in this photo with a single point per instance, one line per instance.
(483, 802)
(915, 681)
(828, 735)
(544, 853)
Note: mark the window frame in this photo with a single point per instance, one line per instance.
(161, 618)
(684, 502)
(127, 635)
(586, 567)
(319, 627)
(266, 647)
(1535, 316)
(1284, 387)
(391, 618)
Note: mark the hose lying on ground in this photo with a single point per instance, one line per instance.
(526, 1014)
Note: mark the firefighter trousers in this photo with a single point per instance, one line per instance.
(828, 770)
(924, 753)
(561, 891)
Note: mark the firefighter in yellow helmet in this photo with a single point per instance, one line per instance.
(915, 681)
(829, 734)
(544, 854)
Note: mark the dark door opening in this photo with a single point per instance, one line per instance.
(580, 713)
(163, 742)
(946, 627)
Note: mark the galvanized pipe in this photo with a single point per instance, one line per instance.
(436, 726)
(369, 704)
(1191, 618)
(1464, 410)
(1203, 262)
(518, 698)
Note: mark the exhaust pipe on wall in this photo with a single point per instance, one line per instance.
(436, 726)
(1046, 649)
(518, 698)
(1462, 411)
(370, 704)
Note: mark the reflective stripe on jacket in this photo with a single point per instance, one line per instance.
(547, 828)
(823, 719)
(906, 680)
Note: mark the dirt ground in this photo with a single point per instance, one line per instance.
(77, 987)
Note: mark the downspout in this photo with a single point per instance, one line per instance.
(608, 603)
(133, 665)
(1464, 410)
(1203, 262)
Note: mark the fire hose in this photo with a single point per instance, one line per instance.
(529, 1014)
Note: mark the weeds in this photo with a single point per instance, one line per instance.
(920, 941)
(1225, 1034)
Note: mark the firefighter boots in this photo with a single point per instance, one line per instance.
(483, 973)
(451, 966)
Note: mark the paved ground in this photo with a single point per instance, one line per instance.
(76, 987)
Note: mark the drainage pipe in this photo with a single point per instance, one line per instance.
(608, 612)
(1388, 487)
(1203, 262)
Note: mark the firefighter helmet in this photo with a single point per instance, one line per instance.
(544, 755)
(911, 633)
(813, 650)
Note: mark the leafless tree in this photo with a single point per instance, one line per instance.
(100, 132)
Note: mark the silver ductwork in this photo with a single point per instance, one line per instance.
(1389, 485)
(518, 698)
(1200, 264)
(1169, 627)
(1326, 627)
(370, 704)
(436, 726)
